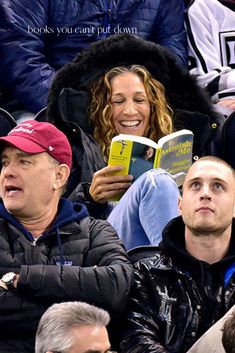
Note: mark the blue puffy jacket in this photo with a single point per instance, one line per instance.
(39, 36)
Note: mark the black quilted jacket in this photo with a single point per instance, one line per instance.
(79, 258)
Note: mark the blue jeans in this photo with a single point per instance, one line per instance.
(145, 208)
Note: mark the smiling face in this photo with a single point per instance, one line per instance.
(208, 200)
(131, 109)
(28, 183)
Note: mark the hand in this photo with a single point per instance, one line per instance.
(3, 285)
(228, 103)
(106, 185)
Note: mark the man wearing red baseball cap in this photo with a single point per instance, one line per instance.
(50, 249)
(34, 137)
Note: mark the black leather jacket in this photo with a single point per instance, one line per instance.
(176, 297)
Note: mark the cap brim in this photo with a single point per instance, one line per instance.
(22, 144)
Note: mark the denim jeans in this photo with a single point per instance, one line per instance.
(145, 208)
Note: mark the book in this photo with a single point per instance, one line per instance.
(138, 154)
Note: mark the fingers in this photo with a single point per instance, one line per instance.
(103, 194)
(105, 185)
(110, 169)
(229, 103)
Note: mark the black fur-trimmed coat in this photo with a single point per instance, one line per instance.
(69, 98)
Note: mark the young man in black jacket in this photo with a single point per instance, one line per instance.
(50, 250)
(189, 284)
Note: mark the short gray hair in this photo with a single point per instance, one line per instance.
(54, 329)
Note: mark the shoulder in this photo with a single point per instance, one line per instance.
(158, 261)
(105, 247)
(100, 232)
(197, 7)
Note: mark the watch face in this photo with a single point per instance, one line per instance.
(8, 277)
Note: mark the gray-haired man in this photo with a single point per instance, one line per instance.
(73, 327)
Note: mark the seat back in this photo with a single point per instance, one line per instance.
(228, 140)
(142, 252)
(7, 122)
(41, 115)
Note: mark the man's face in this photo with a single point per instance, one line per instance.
(208, 200)
(27, 182)
(90, 339)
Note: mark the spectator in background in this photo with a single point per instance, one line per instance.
(73, 327)
(211, 340)
(210, 27)
(50, 250)
(128, 100)
(189, 284)
(38, 38)
(80, 96)
(228, 335)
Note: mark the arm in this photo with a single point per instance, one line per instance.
(104, 277)
(205, 52)
(169, 28)
(97, 210)
(24, 68)
(15, 310)
(141, 332)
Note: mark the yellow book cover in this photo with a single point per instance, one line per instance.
(139, 154)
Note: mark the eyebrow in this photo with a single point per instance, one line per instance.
(216, 179)
(19, 154)
(94, 351)
(213, 178)
(120, 93)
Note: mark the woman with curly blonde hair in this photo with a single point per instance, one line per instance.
(103, 106)
(126, 100)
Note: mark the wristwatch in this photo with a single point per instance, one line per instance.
(8, 280)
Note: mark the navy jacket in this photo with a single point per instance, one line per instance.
(38, 37)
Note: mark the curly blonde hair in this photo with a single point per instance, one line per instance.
(101, 111)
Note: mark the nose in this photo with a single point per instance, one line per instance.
(8, 170)
(206, 195)
(130, 108)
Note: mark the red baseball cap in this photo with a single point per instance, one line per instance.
(34, 137)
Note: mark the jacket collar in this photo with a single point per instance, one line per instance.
(68, 212)
(173, 244)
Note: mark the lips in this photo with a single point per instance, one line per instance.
(204, 209)
(10, 190)
(129, 123)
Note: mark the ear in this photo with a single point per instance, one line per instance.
(180, 205)
(61, 176)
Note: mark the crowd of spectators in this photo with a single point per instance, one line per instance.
(95, 70)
